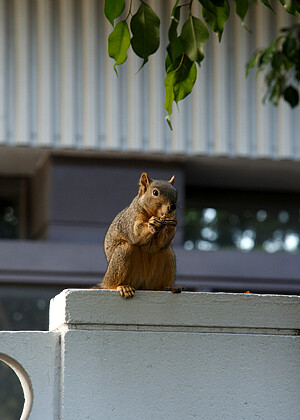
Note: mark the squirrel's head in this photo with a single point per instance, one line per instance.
(158, 198)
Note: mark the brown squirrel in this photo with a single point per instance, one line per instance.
(137, 244)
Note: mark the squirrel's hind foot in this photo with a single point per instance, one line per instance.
(175, 289)
(126, 291)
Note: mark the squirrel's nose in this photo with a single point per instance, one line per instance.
(172, 208)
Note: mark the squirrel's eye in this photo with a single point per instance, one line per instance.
(155, 192)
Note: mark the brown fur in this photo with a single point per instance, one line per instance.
(138, 242)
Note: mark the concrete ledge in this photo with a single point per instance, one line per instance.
(172, 357)
(95, 309)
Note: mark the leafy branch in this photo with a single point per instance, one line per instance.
(186, 50)
(144, 26)
(281, 63)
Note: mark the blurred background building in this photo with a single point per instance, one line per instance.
(75, 138)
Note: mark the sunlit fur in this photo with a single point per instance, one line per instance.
(138, 242)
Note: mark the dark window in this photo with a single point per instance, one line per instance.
(9, 219)
(220, 219)
(14, 221)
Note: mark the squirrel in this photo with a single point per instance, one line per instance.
(137, 244)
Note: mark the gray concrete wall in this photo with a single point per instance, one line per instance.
(160, 356)
(164, 356)
(35, 358)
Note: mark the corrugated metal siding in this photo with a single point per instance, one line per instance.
(58, 87)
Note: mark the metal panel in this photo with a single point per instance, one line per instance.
(59, 88)
(21, 72)
(44, 82)
(3, 89)
(89, 73)
(67, 57)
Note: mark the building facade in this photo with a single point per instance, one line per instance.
(74, 139)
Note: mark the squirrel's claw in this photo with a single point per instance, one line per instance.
(176, 289)
(156, 223)
(170, 221)
(126, 291)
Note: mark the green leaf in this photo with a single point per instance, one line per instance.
(145, 32)
(194, 34)
(175, 49)
(175, 17)
(241, 8)
(113, 9)
(118, 43)
(185, 81)
(291, 96)
(266, 55)
(289, 47)
(168, 62)
(291, 6)
(219, 3)
(169, 92)
(167, 118)
(277, 60)
(215, 16)
(253, 62)
(275, 94)
(179, 81)
(267, 3)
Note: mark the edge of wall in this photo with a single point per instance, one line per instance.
(98, 309)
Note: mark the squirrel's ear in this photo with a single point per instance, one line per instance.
(172, 180)
(145, 181)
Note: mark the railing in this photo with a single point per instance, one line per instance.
(160, 356)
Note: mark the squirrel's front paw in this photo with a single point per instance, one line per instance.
(170, 221)
(126, 291)
(156, 224)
